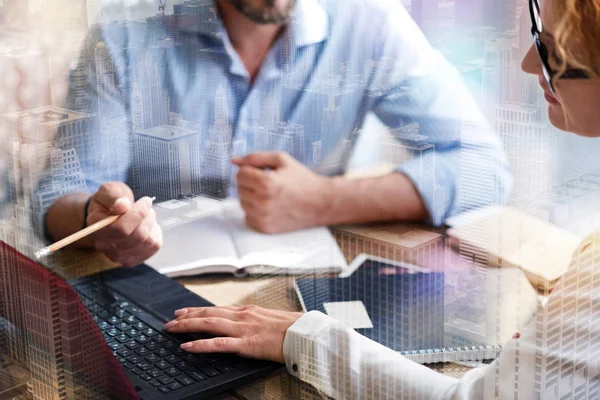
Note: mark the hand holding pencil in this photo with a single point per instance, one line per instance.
(126, 232)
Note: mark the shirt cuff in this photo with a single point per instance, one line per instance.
(307, 326)
(426, 173)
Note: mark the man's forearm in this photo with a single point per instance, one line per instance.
(389, 197)
(65, 217)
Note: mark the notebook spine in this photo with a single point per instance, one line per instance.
(454, 354)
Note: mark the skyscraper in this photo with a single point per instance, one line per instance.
(149, 100)
(218, 150)
(530, 147)
(169, 165)
(495, 85)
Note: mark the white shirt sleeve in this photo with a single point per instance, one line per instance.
(343, 364)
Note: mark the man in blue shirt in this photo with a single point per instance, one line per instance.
(268, 106)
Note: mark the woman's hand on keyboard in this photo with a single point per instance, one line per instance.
(248, 331)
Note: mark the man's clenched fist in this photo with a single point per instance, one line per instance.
(279, 194)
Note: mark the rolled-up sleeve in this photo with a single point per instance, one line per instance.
(467, 167)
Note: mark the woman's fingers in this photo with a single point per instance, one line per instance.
(212, 325)
(205, 312)
(215, 345)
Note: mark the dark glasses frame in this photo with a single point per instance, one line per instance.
(543, 53)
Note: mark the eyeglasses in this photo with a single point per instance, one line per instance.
(542, 50)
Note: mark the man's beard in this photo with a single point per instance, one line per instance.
(264, 11)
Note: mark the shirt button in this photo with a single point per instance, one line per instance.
(295, 367)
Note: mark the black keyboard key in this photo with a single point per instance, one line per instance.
(143, 339)
(131, 319)
(122, 313)
(132, 345)
(104, 325)
(190, 358)
(140, 326)
(209, 371)
(114, 320)
(144, 365)
(113, 332)
(162, 364)
(184, 380)
(162, 352)
(177, 351)
(210, 360)
(169, 344)
(122, 338)
(172, 371)
(109, 339)
(123, 326)
(182, 365)
(142, 351)
(115, 346)
(159, 338)
(155, 383)
(223, 367)
(196, 375)
(172, 359)
(152, 358)
(137, 371)
(103, 314)
(133, 333)
(165, 380)
(174, 385)
(146, 377)
(155, 372)
(164, 389)
(149, 332)
(152, 345)
(128, 365)
(124, 352)
(134, 358)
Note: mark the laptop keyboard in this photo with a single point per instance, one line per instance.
(143, 348)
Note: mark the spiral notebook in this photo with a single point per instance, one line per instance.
(398, 305)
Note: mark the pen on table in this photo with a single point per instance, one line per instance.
(78, 235)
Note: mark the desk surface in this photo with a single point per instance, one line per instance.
(417, 244)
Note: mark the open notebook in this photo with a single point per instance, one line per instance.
(510, 237)
(203, 235)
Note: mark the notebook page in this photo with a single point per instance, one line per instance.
(196, 235)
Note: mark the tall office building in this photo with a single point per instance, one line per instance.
(169, 162)
(496, 73)
(11, 305)
(530, 147)
(218, 150)
(149, 100)
(287, 137)
(117, 144)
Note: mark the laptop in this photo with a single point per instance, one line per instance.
(101, 335)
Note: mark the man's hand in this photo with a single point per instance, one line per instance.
(135, 236)
(279, 194)
(248, 331)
